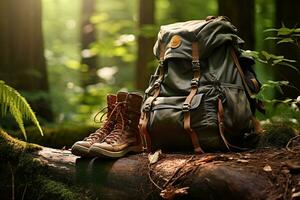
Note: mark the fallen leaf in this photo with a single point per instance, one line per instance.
(293, 165)
(153, 158)
(267, 168)
(171, 192)
(242, 160)
(297, 194)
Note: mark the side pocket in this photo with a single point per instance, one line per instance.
(237, 113)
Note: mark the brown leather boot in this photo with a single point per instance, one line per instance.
(125, 136)
(81, 148)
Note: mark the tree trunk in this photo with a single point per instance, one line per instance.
(287, 13)
(22, 62)
(88, 36)
(241, 14)
(145, 44)
(258, 174)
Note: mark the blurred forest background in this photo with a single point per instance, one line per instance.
(65, 56)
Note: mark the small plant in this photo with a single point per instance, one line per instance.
(271, 59)
(12, 101)
(285, 35)
(280, 110)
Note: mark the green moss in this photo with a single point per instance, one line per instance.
(277, 134)
(12, 148)
(50, 189)
(57, 137)
(30, 173)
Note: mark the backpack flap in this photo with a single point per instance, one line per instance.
(209, 34)
(165, 122)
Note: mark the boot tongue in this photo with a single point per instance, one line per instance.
(121, 96)
(111, 100)
(135, 101)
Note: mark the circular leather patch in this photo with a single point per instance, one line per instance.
(175, 41)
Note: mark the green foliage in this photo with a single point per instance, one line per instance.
(280, 109)
(285, 35)
(11, 100)
(272, 85)
(271, 59)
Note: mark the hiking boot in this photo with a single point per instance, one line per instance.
(81, 148)
(125, 136)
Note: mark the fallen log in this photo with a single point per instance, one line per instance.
(46, 173)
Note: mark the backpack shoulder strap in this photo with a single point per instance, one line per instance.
(256, 123)
(241, 72)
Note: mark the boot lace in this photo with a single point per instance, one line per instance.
(104, 130)
(119, 127)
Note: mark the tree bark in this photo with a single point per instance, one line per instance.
(241, 14)
(88, 36)
(145, 44)
(287, 13)
(258, 174)
(22, 62)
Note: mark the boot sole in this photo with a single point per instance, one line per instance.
(96, 151)
(81, 151)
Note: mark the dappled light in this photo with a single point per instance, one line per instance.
(149, 99)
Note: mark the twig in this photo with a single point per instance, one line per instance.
(150, 178)
(286, 187)
(12, 182)
(177, 170)
(24, 192)
(289, 142)
(183, 174)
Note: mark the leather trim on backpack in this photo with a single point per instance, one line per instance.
(187, 103)
(145, 137)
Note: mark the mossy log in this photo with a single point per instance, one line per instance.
(46, 173)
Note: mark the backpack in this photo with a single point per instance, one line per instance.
(200, 96)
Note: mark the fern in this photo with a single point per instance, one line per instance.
(12, 101)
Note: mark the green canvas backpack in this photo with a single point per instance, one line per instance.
(200, 95)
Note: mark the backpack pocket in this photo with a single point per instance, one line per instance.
(237, 114)
(166, 127)
(165, 124)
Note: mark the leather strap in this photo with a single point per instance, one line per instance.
(145, 136)
(240, 70)
(255, 122)
(187, 103)
(221, 122)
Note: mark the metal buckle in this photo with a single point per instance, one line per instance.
(157, 83)
(160, 63)
(195, 65)
(147, 107)
(186, 107)
(194, 82)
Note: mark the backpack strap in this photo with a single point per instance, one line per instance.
(255, 122)
(240, 70)
(187, 103)
(145, 137)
